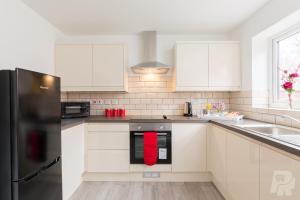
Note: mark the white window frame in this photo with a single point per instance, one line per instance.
(273, 100)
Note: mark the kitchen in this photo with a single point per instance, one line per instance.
(200, 102)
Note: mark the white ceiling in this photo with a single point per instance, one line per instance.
(132, 16)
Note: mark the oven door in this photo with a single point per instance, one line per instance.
(163, 151)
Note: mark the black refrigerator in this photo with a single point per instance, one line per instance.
(30, 138)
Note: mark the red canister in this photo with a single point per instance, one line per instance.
(116, 112)
(122, 112)
(108, 112)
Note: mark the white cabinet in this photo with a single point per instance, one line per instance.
(108, 161)
(279, 176)
(188, 147)
(224, 66)
(242, 168)
(191, 66)
(72, 150)
(74, 64)
(108, 140)
(246, 169)
(207, 66)
(234, 164)
(91, 67)
(217, 156)
(109, 67)
(107, 147)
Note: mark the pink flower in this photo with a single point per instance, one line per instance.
(294, 75)
(287, 85)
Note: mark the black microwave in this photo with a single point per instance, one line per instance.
(75, 109)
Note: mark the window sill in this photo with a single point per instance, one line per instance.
(277, 111)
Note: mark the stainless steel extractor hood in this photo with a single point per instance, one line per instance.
(150, 63)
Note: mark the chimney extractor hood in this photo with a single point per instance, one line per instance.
(150, 64)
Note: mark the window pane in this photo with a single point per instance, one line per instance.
(289, 59)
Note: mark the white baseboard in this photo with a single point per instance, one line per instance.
(164, 177)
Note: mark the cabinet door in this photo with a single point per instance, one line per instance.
(217, 156)
(224, 65)
(279, 176)
(108, 140)
(72, 151)
(108, 61)
(242, 168)
(73, 63)
(189, 147)
(191, 66)
(108, 161)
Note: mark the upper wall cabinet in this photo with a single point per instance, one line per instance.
(74, 64)
(91, 67)
(207, 66)
(224, 66)
(188, 56)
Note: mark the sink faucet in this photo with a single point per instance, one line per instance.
(289, 117)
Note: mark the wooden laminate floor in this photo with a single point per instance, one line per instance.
(146, 191)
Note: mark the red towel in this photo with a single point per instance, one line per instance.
(150, 148)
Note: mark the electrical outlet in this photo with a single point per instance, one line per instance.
(100, 102)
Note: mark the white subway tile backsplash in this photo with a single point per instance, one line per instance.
(167, 101)
(135, 101)
(156, 101)
(141, 107)
(151, 106)
(162, 107)
(114, 101)
(107, 101)
(148, 95)
(145, 101)
(124, 101)
(254, 105)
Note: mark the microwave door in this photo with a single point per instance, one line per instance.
(73, 109)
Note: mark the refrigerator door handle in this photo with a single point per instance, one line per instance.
(28, 178)
(56, 160)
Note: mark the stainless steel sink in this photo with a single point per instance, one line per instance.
(274, 131)
(285, 134)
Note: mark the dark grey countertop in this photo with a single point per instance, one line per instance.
(67, 123)
(230, 125)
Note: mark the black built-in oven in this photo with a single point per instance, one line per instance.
(164, 142)
(75, 109)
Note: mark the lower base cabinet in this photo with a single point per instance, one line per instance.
(72, 150)
(107, 148)
(242, 168)
(108, 161)
(217, 156)
(188, 147)
(279, 176)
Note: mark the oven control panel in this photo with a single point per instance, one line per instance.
(150, 126)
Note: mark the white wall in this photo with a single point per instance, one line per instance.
(135, 44)
(26, 39)
(271, 13)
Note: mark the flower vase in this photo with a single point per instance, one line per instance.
(290, 100)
